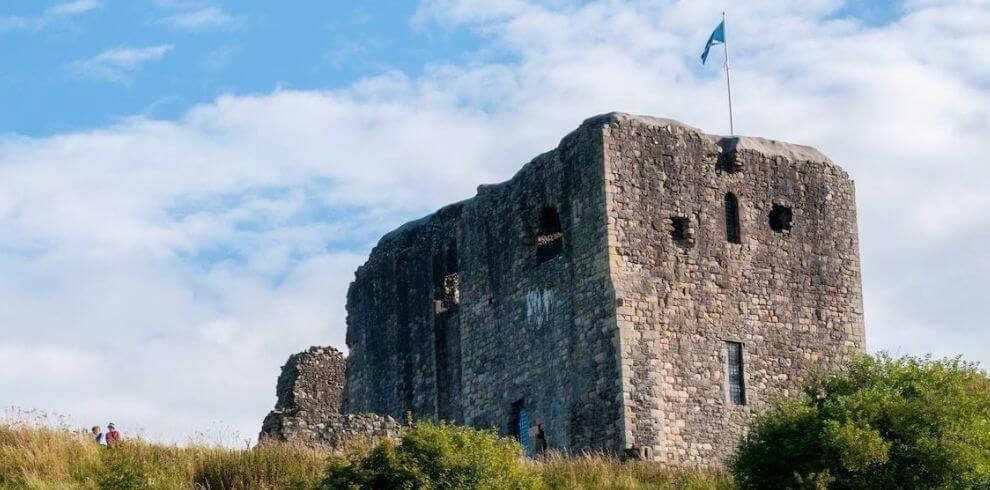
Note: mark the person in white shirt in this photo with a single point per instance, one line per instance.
(98, 436)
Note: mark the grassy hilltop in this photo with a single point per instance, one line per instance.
(882, 423)
(40, 457)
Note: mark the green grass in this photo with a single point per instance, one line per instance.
(47, 458)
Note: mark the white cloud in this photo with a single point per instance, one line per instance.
(202, 18)
(59, 11)
(73, 8)
(117, 64)
(180, 262)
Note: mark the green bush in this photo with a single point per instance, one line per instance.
(431, 456)
(886, 423)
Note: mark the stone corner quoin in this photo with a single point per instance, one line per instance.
(642, 289)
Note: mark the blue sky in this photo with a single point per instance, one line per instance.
(232, 47)
(210, 49)
(186, 186)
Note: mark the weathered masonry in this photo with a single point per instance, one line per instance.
(643, 288)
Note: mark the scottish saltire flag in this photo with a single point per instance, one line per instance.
(717, 37)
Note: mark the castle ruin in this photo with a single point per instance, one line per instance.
(643, 288)
(307, 411)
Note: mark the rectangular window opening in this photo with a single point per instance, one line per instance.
(737, 383)
(550, 235)
(446, 281)
(681, 231)
(733, 231)
(780, 218)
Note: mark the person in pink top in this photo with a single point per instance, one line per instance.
(112, 437)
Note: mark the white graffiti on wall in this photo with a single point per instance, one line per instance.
(539, 305)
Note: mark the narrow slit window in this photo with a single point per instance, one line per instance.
(550, 239)
(780, 218)
(732, 227)
(737, 384)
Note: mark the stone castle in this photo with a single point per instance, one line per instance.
(642, 289)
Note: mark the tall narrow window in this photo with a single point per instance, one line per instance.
(550, 239)
(737, 384)
(732, 229)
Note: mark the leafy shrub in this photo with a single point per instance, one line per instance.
(886, 423)
(431, 456)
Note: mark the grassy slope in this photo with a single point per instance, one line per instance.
(32, 457)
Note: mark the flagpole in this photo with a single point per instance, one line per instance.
(728, 85)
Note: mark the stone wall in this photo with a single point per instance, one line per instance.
(312, 381)
(791, 297)
(334, 432)
(528, 327)
(307, 411)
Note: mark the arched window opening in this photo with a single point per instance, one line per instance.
(550, 239)
(780, 218)
(732, 226)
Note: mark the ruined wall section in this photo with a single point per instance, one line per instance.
(530, 324)
(792, 298)
(307, 411)
(312, 381)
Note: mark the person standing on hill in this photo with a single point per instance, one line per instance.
(113, 437)
(98, 436)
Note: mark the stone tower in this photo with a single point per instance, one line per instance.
(644, 287)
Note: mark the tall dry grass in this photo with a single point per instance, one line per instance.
(48, 454)
(595, 472)
(42, 458)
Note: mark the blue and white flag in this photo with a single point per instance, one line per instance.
(717, 37)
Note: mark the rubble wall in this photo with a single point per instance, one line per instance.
(307, 411)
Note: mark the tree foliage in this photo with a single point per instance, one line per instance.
(885, 423)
